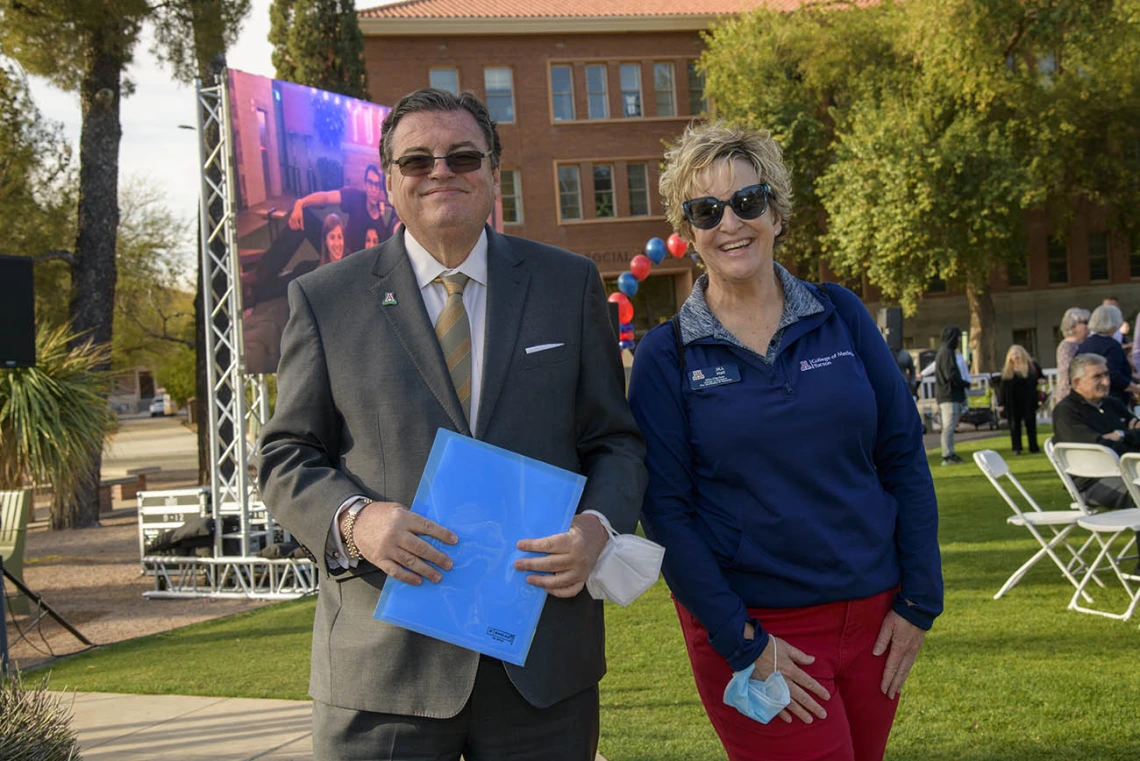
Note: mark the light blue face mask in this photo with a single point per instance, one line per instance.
(759, 700)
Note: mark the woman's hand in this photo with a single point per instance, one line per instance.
(903, 639)
(801, 685)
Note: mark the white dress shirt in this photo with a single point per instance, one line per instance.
(427, 268)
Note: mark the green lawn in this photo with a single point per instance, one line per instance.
(1018, 679)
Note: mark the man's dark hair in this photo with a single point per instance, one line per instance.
(432, 99)
(376, 170)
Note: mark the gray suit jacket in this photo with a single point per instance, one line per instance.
(362, 390)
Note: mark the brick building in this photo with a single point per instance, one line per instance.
(586, 93)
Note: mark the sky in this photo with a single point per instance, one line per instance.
(153, 147)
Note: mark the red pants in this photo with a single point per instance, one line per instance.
(840, 635)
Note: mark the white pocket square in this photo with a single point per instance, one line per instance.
(542, 347)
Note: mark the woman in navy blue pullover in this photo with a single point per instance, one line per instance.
(1106, 319)
(788, 480)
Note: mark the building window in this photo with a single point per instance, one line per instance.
(596, 95)
(1017, 273)
(562, 93)
(1098, 256)
(697, 104)
(663, 89)
(936, 285)
(511, 188)
(1058, 257)
(1026, 338)
(631, 89)
(604, 191)
(569, 194)
(500, 94)
(638, 190)
(444, 79)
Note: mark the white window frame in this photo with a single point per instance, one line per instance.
(577, 190)
(487, 70)
(452, 69)
(553, 108)
(605, 92)
(672, 91)
(622, 68)
(516, 195)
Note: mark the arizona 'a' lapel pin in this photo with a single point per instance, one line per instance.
(389, 299)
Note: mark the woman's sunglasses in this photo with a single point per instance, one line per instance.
(705, 213)
(460, 162)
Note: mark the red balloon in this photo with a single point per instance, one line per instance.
(625, 309)
(640, 266)
(626, 336)
(677, 245)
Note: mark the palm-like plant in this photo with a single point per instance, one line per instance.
(54, 417)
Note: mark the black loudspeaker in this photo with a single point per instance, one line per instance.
(615, 321)
(17, 313)
(891, 326)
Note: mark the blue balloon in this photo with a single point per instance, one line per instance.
(627, 283)
(655, 250)
(626, 344)
(625, 327)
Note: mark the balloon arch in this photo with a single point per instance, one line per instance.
(628, 282)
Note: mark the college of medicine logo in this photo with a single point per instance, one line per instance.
(698, 375)
(804, 365)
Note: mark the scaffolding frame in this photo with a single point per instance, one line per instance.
(238, 403)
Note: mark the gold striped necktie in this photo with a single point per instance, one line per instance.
(453, 330)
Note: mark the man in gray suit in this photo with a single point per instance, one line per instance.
(450, 325)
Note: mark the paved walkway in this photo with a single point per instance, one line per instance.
(177, 728)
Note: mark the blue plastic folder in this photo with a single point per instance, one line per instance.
(491, 498)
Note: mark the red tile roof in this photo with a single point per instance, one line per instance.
(485, 9)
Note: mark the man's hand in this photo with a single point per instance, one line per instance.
(297, 217)
(801, 684)
(570, 557)
(388, 536)
(904, 640)
(1114, 436)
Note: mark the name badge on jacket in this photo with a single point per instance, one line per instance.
(707, 377)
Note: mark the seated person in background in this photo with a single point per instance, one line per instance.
(1088, 415)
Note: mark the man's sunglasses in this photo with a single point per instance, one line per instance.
(460, 162)
(705, 213)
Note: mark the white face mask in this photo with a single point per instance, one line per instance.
(627, 567)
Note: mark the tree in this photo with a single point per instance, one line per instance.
(931, 127)
(795, 75)
(85, 48)
(319, 43)
(154, 311)
(37, 190)
(211, 25)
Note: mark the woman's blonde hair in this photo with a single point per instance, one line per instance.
(701, 146)
(1016, 362)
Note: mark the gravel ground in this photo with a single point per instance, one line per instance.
(91, 577)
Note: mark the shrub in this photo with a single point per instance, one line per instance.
(34, 725)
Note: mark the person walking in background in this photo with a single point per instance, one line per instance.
(950, 387)
(1018, 396)
(1074, 329)
(1103, 325)
(787, 478)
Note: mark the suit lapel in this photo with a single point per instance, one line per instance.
(408, 320)
(507, 280)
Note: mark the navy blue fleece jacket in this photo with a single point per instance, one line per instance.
(803, 483)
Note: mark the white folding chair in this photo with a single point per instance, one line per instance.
(1096, 461)
(1070, 487)
(1058, 523)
